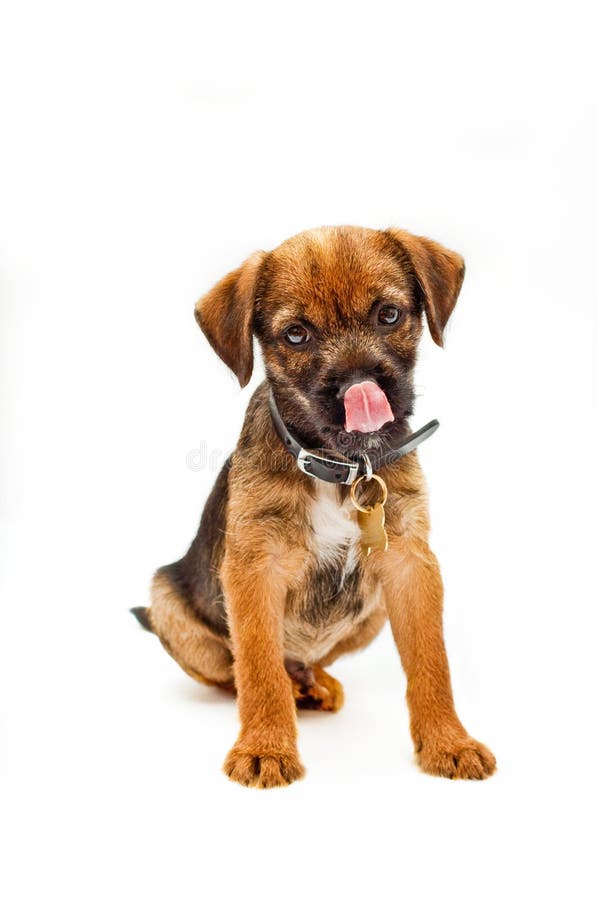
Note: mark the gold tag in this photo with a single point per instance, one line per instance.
(373, 533)
(371, 519)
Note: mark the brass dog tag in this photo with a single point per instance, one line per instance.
(371, 519)
(373, 533)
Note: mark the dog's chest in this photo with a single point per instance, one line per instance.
(334, 532)
(329, 603)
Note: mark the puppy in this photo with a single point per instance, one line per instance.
(285, 573)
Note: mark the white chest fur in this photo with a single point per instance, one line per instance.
(334, 537)
(334, 541)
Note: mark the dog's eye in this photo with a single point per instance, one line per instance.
(296, 334)
(389, 315)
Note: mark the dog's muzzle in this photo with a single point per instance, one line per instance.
(335, 470)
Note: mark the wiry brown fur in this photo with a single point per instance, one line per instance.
(262, 600)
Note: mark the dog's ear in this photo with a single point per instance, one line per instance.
(225, 316)
(439, 273)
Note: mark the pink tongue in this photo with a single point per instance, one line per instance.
(366, 407)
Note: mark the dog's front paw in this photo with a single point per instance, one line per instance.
(262, 768)
(455, 757)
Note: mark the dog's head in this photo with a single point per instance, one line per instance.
(338, 315)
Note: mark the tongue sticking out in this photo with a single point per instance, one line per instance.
(366, 407)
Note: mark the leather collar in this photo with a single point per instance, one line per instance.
(338, 469)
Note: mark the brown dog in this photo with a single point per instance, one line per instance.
(276, 584)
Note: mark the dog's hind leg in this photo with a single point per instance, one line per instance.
(313, 688)
(200, 652)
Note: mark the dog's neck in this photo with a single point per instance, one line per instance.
(297, 420)
(339, 467)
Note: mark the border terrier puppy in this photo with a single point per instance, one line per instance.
(316, 529)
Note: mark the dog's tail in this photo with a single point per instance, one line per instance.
(142, 614)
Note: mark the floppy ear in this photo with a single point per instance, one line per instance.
(439, 273)
(225, 316)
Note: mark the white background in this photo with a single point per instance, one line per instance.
(148, 148)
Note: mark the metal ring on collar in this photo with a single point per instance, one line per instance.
(382, 484)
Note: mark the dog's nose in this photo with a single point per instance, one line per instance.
(355, 378)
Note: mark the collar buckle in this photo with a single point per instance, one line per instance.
(333, 471)
(302, 457)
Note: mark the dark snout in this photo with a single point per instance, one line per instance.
(342, 385)
(347, 369)
(362, 392)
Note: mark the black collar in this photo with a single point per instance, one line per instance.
(343, 470)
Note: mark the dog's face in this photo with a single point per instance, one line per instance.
(338, 315)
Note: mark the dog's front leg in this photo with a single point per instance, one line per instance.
(413, 594)
(265, 753)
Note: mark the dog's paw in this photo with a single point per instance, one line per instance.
(460, 757)
(321, 691)
(265, 769)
